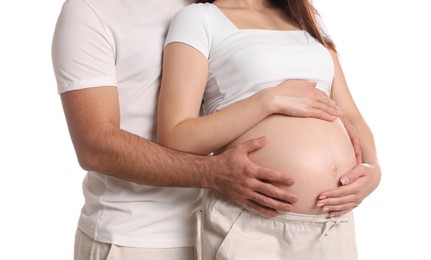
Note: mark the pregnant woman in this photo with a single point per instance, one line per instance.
(236, 56)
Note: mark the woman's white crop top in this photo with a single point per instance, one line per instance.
(244, 61)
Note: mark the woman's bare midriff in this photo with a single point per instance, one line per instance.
(314, 152)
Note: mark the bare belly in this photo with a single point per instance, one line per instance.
(314, 152)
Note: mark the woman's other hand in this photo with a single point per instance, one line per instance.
(356, 185)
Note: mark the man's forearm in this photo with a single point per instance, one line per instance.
(135, 159)
(129, 157)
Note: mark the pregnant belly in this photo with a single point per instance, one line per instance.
(314, 152)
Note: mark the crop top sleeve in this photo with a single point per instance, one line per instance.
(190, 26)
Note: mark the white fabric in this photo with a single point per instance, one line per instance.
(244, 61)
(88, 249)
(119, 43)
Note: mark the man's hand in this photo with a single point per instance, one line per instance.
(356, 185)
(249, 184)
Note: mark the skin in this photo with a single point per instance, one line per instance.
(355, 185)
(366, 174)
(101, 145)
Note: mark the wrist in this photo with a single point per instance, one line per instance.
(374, 169)
(371, 163)
(218, 172)
(209, 169)
(267, 102)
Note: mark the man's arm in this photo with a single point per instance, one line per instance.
(94, 124)
(362, 180)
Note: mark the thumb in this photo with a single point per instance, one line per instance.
(253, 145)
(350, 176)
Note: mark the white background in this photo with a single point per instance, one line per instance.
(384, 48)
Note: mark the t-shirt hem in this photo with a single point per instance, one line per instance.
(83, 84)
(139, 243)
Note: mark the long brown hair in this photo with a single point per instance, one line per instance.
(304, 14)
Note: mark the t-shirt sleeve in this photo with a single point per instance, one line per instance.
(189, 26)
(82, 53)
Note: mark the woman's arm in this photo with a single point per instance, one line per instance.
(362, 180)
(185, 74)
(342, 96)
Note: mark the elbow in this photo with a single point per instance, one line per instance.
(91, 155)
(98, 148)
(88, 159)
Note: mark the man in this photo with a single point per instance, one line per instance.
(141, 198)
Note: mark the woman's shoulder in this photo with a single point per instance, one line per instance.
(200, 23)
(200, 15)
(198, 6)
(196, 10)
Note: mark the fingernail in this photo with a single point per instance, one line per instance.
(325, 209)
(320, 204)
(322, 197)
(344, 180)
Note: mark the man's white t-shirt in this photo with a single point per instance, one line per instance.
(119, 43)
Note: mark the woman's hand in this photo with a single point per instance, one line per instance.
(356, 185)
(300, 98)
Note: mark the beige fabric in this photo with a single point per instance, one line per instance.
(232, 232)
(88, 249)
